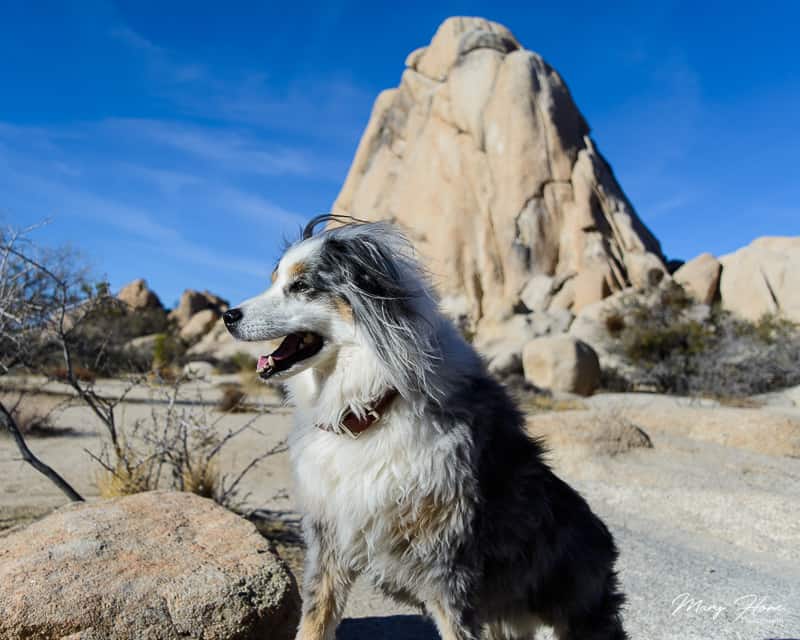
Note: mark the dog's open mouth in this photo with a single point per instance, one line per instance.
(294, 348)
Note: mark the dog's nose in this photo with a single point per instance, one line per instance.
(232, 316)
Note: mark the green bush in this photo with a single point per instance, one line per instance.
(167, 351)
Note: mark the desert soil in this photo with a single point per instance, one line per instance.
(707, 520)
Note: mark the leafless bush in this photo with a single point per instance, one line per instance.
(177, 447)
(55, 322)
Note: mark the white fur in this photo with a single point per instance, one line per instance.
(364, 486)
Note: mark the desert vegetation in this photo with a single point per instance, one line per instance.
(59, 326)
(672, 345)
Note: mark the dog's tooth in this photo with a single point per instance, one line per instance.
(308, 338)
(271, 361)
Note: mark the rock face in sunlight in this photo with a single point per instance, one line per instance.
(763, 278)
(138, 296)
(152, 565)
(193, 302)
(483, 156)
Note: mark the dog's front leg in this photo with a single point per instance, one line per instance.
(454, 621)
(326, 584)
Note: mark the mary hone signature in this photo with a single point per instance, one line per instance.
(748, 608)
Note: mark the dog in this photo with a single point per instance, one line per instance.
(412, 464)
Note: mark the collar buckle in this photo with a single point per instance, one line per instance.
(354, 435)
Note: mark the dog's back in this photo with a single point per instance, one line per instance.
(541, 550)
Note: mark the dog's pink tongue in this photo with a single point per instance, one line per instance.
(262, 363)
(288, 347)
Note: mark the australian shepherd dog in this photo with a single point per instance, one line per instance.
(412, 464)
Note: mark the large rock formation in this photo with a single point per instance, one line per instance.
(154, 565)
(700, 278)
(763, 278)
(193, 302)
(482, 155)
(138, 296)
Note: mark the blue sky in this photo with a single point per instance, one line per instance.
(180, 142)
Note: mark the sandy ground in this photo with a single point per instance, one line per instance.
(708, 520)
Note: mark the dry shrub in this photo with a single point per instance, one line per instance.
(123, 480)
(667, 350)
(242, 361)
(81, 373)
(614, 434)
(201, 477)
(176, 448)
(232, 400)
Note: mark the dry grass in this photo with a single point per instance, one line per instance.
(202, 478)
(739, 402)
(541, 403)
(124, 479)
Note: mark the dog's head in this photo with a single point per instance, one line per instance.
(352, 285)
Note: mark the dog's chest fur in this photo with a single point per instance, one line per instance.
(394, 500)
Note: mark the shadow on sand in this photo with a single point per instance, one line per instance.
(387, 628)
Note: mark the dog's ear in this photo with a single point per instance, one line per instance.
(311, 225)
(383, 289)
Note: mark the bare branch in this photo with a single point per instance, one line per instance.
(28, 456)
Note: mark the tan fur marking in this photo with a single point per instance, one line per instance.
(316, 624)
(274, 276)
(422, 520)
(298, 269)
(444, 623)
(344, 309)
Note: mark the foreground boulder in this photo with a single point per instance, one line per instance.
(138, 296)
(483, 156)
(561, 363)
(156, 565)
(501, 344)
(762, 278)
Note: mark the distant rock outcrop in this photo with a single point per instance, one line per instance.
(482, 155)
(138, 296)
(152, 565)
(763, 277)
(700, 278)
(192, 302)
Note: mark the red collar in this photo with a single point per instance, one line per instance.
(354, 426)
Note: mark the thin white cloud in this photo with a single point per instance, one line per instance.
(255, 207)
(668, 204)
(231, 151)
(135, 222)
(158, 59)
(331, 107)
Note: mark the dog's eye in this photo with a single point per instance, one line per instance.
(298, 286)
